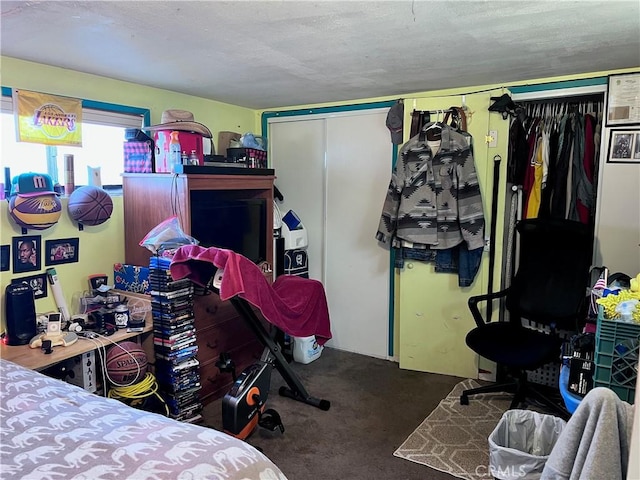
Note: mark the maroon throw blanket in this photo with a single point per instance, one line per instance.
(297, 306)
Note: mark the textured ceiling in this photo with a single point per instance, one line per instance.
(271, 54)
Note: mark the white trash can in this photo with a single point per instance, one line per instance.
(521, 443)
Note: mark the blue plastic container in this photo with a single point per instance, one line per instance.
(571, 400)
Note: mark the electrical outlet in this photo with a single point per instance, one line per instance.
(493, 138)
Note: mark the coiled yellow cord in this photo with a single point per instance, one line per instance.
(143, 389)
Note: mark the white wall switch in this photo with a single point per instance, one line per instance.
(493, 138)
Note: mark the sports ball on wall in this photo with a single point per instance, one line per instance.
(37, 213)
(126, 363)
(90, 205)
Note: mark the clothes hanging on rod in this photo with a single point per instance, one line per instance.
(433, 207)
(553, 153)
(455, 116)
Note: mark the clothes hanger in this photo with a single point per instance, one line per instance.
(433, 132)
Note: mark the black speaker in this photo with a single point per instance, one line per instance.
(20, 314)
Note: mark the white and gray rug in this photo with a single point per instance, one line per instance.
(453, 438)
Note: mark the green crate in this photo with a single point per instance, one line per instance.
(617, 350)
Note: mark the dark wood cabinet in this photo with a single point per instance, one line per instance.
(151, 198)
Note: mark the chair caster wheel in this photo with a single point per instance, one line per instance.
(464, 400)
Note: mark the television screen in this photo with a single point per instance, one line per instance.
(239, 224)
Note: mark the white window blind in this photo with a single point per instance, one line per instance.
(102, 146)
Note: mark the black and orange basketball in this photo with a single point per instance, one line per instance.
(90, 205)
(126, 363)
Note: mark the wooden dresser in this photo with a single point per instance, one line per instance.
(151, 198)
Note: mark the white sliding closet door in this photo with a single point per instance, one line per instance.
(336, 181)
(296, 151)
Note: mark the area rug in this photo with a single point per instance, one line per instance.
(453, 438)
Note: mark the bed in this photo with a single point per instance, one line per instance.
(50, 429)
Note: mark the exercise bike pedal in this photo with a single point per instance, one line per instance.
(270, 420)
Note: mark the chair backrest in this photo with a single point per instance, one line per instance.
(550, 285)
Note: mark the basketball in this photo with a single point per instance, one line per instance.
(90, 205)
(126, 363)
(38, 213)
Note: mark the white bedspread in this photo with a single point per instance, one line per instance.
(50, 429)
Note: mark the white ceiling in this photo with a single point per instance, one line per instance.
(269, 54)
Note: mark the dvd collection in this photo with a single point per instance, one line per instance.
(174, 340)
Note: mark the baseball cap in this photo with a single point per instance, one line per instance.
(395, 119)
(31, 184)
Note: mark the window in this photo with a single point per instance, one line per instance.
(103, 128)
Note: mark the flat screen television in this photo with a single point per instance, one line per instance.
(226, 220)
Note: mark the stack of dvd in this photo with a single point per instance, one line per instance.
(174, 339)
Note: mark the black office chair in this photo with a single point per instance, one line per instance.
(549, 288)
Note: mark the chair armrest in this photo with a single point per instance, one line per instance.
(473, 305)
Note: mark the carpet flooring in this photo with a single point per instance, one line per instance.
(453, 438)
(375, 405)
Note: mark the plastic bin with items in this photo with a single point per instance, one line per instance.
(618, 341)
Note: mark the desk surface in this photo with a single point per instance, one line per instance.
(36, 359)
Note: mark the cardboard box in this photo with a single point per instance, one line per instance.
(131, 278)
(224, 141)
(581, 376)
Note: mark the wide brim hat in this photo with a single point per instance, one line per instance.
(181, 120)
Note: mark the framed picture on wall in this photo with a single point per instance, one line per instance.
(623, 101)
(624, 146)
(62, 250)
(38, 284)
(26, 254)
(5, 257)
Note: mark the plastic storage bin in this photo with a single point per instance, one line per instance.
(617, 347)
(306, 349)
(521, 443)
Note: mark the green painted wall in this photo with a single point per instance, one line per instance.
(102, 246)
(431, 312)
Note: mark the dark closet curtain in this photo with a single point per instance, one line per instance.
(553, 156)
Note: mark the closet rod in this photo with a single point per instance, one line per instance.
(448, 110)
(596, 97)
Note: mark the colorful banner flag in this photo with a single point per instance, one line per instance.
(47, 119)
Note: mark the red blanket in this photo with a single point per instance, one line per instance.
(297, 306)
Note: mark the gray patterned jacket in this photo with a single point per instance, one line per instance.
(434, 200)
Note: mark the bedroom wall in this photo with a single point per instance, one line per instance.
(101, 246)
(431, 316)
(100, 249)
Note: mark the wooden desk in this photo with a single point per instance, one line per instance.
(36, 359)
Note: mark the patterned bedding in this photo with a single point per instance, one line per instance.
(50, 429)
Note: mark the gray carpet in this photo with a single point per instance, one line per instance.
(375, 406)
